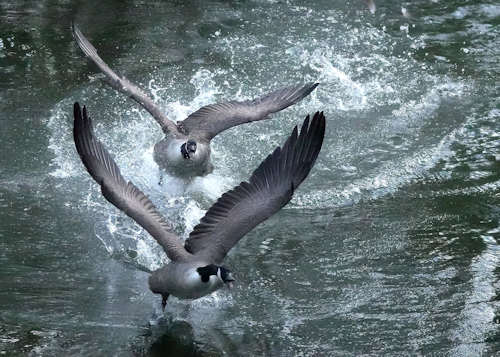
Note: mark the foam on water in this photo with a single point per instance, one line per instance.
(130, 139)
(357, 98)
(479, 310)
(378, 101)
(405, 162)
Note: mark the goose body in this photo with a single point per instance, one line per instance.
(195, 268)
(199, 127)
(169, 155)
(183, 281)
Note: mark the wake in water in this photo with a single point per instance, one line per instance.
(392, 118)
(385, 109)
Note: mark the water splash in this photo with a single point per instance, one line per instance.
(177, 199)
(385, 98)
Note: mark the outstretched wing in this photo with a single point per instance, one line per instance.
(210, 120)
(270, 187)
(122, 84)
(116, 190)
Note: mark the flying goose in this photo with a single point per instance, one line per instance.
(185, 149)
(195, 268)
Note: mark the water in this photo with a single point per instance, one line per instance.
(390, 247)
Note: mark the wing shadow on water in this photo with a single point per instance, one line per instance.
(179, 338)
(176, 338)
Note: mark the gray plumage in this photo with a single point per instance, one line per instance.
(201, 126)
(212, 119)
(270, 187)
(195, 269)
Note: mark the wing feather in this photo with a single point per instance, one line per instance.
(122, 84)
(122, 194)
(210, 120)
(270, 187)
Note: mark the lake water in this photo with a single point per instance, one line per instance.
(390, 247)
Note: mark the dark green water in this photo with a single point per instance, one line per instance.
(391, 246)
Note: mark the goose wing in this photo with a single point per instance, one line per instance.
(270, 187)
(210, 120)
(124, 195)
(122, 84)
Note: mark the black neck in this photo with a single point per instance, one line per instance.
(205, 272)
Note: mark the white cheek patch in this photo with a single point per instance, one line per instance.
(219, 271)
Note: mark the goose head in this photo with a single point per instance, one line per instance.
(221, 272)
(188, 149)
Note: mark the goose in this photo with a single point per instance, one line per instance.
(195, 268)
(185, 149)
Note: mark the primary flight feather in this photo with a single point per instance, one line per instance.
(185, 149)
(195, 266)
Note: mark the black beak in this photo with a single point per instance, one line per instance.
(191, 146)
(184, 152)
(188, 148)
